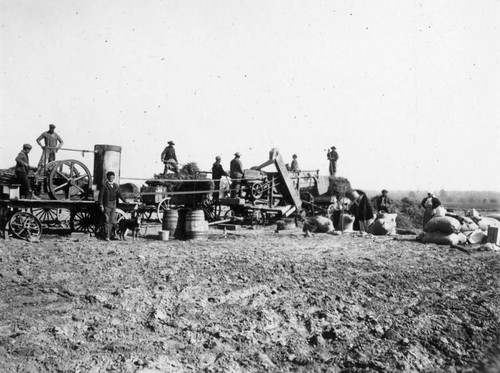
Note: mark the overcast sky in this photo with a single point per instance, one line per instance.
(408, 91)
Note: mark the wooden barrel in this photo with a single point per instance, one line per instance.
(170, 219)
(196, 225)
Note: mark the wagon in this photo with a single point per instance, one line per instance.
(66, 190)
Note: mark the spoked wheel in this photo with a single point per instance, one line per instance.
(256, 190)
(52, 217)
(212, 211)
(69, 179)
(229, 214)
(25, 226)
(84, 221)
(165, 204)
(119, 215)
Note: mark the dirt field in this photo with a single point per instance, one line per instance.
(259, 302)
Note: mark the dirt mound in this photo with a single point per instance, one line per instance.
(272, 302)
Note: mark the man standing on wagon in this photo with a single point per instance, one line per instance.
(53, 142)
(22, 169)
(169, 158)
(333, 157)
(217, 173)
(108, 198)
(236, 174)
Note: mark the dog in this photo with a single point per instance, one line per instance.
(133, 224)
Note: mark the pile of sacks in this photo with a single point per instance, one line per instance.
(450, 229)
(319, 224)
(385, 224)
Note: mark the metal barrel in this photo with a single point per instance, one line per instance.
(170, 220)
(106, 158)
(196, 225)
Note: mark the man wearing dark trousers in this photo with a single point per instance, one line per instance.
(108, 197)
(22, 169)
(217, 173)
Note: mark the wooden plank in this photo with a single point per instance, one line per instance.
(229, 227)
(232, 201)
(286, 186)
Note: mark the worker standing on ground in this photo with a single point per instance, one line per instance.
(108, 197)
(236, 174)
(217, 173)
(429, 203)
(383, 202)
(169, 158)
(53, 142)
(361, 209)
(22, 169)
(332, 156)
(294, 167)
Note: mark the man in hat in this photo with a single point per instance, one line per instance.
(294, 167)
(236, 174)
(383, 202)
(217, 173)
(108, 198)
(22, 169)
(169, 158)
(361, 209)
(332, 156)
(429, 203)
(53, 142)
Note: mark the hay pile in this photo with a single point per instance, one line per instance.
(190, 171)
(339, 186)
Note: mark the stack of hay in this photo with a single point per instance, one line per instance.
(338, 186)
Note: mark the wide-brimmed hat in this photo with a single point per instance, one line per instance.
(238, 154)
(333, 147)
(171, 142)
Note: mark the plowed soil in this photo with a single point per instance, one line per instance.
(248, 303)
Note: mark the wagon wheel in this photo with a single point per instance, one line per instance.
(69, 179)
(165, 204)
(257, 190)
(212, 211)
(146, 214)
(119, 215)
(84, 221)
(52, 217)
(25, 225)
(229, 214)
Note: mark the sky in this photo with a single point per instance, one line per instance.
(407, 91)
